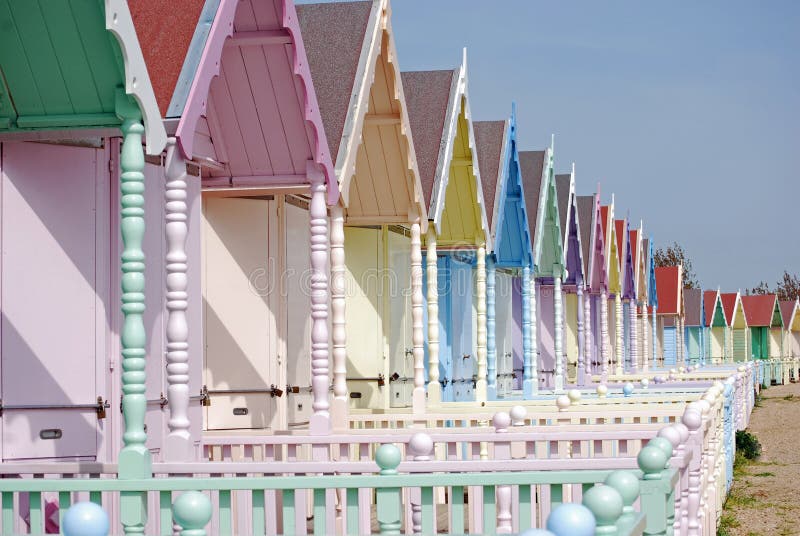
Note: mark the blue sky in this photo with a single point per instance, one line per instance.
(688, 111)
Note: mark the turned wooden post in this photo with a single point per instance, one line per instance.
(529, 381)
(633, 343)
(588, 346)
(388, 499)
(434, 387)
(421, 447)
(178, 444)
(619, 321)
(655, 338)
(338, 319)
(134, 459)
(559, 334)
(417, 320)
(645, 336)
(318, 214)
(491, 339)
(604, 336)
(502, 451)
(480, 384)
(582, 346)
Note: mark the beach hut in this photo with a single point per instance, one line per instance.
(540, 199)
(694, 326)
(738, 334)
(246, 114)
(640, 259)
(509, 265)
(790, 309)
(628, 285)
(651, 306)
(615, 315)
(78, 225)
(716, 327)
(596, 300)
(573, 284)
(669, 282)
(457, 237)
(376, 229)
(765, 321)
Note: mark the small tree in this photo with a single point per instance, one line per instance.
(787, 288)
(675, 256)
(761, 288)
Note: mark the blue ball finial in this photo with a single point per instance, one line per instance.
(536, 532)
(85, 519)
(627, 389)
(571, 519)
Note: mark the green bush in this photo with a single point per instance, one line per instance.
(748, 445)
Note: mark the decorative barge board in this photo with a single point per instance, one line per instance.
(614, 337)
(693, 326)
(716, 327)
(574, 282)
(627, 362)
(765, 321)
(639, 258)
(511, 257)
(791, 322)
(669, 280)
(457, 237)
(738, 333)
(596, 282)
(60, 363)
(378, 324)
(245, 111)
(548, 258)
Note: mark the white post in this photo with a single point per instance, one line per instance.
(417, 322)
(320, 422)
(655, 338)
(645, 336)
(605, 343)
(480, 385)
(178, 445)
(634, 340)
(582, 346)
(559, 335)
(587, 330)
(619, 323)
(434, 387)
(339, 410)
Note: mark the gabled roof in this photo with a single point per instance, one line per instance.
(586, 206)
(570, 222)
(762, 310)
(652, 284)
(563, 182)
(730, 300)
(693, 305)
(532, 167)
(710, 300)
(63, 64)
(439, 112)
(537, 176)
(612, 251)
(627, 269)
(669, 284)
(353, 62)
(506, 210)
(790, 310)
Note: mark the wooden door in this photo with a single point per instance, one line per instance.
(517, 359)
(463, 354)
(670, 345)
(446, 360)
(717, 343)
(239, 293)
(297, 330)
(571, 335)
(504, 342)
(401, 355)
(364, 313)
(54, 277)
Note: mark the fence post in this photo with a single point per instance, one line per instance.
(421, 447)
(502, 451)
(657, 491)
(192, 512)
(388, 499)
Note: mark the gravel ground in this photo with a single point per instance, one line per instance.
(765, 499)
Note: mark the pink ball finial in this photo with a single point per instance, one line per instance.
(501, 421)
(420, 445)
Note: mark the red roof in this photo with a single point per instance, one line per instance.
(758, 310)
(710, 303)
(604, 221)
(668, 287)
(787, 309)
(728, 303)
(619, 226)
(165, 30)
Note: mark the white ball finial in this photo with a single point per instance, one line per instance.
(421, 446)
(563, 402)
(518, 415)
(602, 390)
(501, 421)
(574, 396)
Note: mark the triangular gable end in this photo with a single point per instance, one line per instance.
(652, 285)
(569, 219)
(511, 239)
(628, 280)
(611, 252)
(598, 267)
(548, 247)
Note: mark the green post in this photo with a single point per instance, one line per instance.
(134, 459)
(388, 499)
(657, 498)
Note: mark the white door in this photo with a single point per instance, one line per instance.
(401, 357)
(503, 333)
(240, 291)
(53, 328)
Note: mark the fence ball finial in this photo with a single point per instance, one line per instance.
(602, 390)
(627, 485)
(692, 419)
(501, 421)
(606, 504)
(192, 512)
(671, 434)
(536, 532)
(651, 461)
(574, 396)
(663, 444)
(627, 389)
(421, 446)
(388, 458)
(563, 402)
(518, 414)
(573, 519)
(645, 383)
(85, 519)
